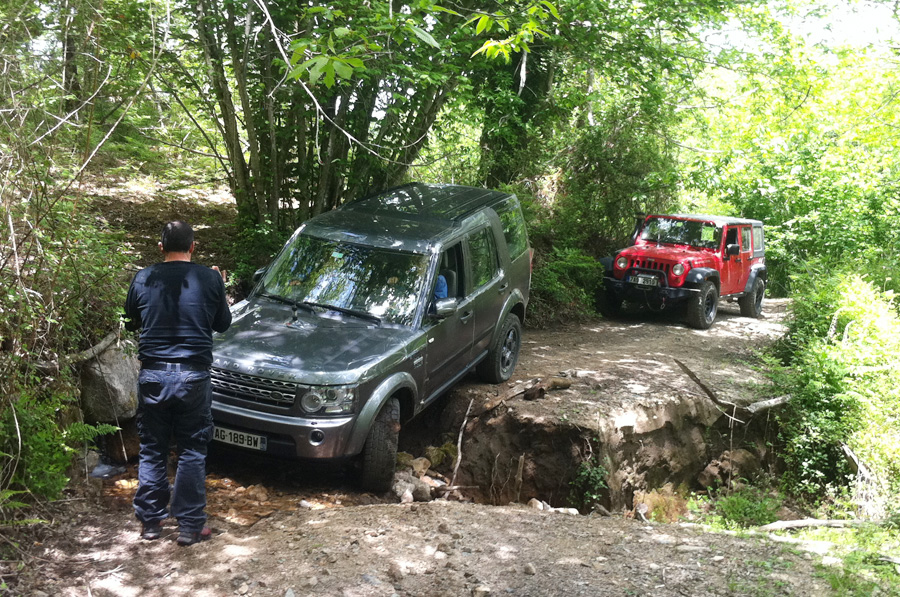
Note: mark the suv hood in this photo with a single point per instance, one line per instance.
(266, 340)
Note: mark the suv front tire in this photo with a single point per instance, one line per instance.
(379, 455)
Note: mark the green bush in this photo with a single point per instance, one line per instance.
(563, 285)
(841, 356)
(589, 482)
(747, 507)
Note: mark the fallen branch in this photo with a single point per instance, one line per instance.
(752, 409)
(762, 405)
(462, 428)
(783, 525)
(78, 357)
(724, 404)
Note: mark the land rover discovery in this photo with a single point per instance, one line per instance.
(367, 315)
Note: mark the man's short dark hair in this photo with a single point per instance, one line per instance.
(177, 237)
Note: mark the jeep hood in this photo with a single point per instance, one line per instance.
(666, 252)
(315, 348)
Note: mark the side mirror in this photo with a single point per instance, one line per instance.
(732, 249)
(444, 308)
(258, 274)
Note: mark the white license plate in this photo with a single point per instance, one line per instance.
(239, 438)
(645, 280)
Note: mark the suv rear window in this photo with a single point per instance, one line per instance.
(513, 227)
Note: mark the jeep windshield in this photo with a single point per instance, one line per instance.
(696, 233)
(348, 278)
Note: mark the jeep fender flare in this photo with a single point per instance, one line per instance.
(696, 276)
(758, 271)
(387, 388)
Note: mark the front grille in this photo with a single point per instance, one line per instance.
(647, 264)
(253, 388)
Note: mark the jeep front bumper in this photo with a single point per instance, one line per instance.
(625, 290)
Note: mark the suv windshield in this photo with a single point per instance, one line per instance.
(682, 232)
(376, 282)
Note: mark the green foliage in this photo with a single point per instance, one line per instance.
(589, 483)
(563, 286)
(746, 507)
(842, 352)
(253, 248)
(615, 169)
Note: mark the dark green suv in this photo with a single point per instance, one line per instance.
(367, 315)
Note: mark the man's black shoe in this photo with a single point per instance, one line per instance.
(151, 530)
(186, 538)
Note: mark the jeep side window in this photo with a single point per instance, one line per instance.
(745, 239)
(757, 239)
(731, 238)
(484, 257)
(513, 227)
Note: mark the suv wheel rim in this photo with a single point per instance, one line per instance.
(509, 350)
(709, 306)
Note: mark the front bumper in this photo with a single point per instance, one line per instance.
(289, 436)
(623, 290)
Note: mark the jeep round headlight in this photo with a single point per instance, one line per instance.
(621, 263)
(678, 269)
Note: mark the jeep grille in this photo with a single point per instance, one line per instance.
(252, 388)
(646, 264)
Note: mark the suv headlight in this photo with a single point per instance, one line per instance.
(678, 269)
(621, 262)
(327, 400)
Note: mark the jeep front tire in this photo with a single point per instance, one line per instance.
(751, 303)
(703, 306)
(500, 362)
(379, 456)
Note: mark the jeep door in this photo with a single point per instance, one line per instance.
(450, 339)
(736, 268)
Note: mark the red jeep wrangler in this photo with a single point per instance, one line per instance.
(692, 259)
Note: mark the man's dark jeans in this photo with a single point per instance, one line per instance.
(173, 403)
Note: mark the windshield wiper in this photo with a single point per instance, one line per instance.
(287, 301)
(344, 310)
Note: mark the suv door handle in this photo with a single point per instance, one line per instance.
(465, 317)
(503, 287)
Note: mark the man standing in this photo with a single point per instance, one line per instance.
(177, 305)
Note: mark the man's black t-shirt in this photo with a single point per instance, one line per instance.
(177, 305)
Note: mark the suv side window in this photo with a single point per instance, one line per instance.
(483, 251)
(513, 227)
(745, 239)
(757, 239)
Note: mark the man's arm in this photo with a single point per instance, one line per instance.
(222, 319)
(132, 315)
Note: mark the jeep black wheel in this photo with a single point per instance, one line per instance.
(702, 307)
(500, 362)
(751, 304)
(379, 456)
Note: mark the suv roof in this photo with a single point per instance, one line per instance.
(717, 220)
(411, 217)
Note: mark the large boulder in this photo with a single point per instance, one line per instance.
(109, 386)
